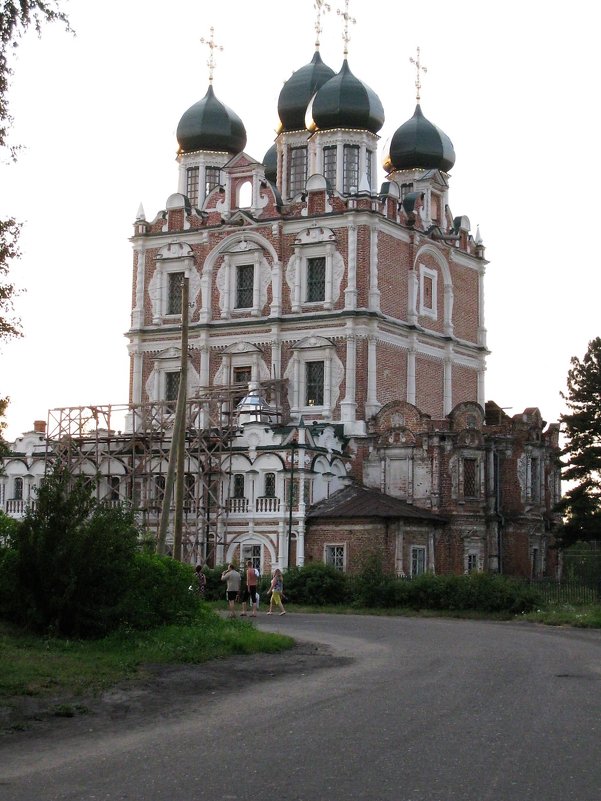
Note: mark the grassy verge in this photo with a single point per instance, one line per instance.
(47, 666)
(584, 617)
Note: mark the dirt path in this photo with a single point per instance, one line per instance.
(159, 691)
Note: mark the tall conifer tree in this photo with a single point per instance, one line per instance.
(581, 505)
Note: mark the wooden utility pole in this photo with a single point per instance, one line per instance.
(177, 449)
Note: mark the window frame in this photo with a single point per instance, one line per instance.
(311, 262)
(238, 486)
(238, 288)
(297, 174)
(308, 365)
(330, 164)
(350, 169)
(193, 185)
(426, 273)
(338, 562)
(414, 551)
(210, 182)
(174, 301)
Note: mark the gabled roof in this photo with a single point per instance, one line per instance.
(360, 501)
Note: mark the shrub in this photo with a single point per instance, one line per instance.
(159, 591)
(73, 559)
(315, 584)
(372, 587)
(9, 589)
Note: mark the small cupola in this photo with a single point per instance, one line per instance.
(297, 92)
(418, 143)
(345, 102)
(211, 125)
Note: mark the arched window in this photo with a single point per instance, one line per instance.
(245, 195)
(239, 485)
(270, 485)
(18, 489)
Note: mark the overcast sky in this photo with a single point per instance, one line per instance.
(514, 85)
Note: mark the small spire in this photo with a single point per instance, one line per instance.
(320, 8)
(418, 68)
(478, 239)
(346, 38)
(141, 215)
(212, 47)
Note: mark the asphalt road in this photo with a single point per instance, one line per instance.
(419, 710)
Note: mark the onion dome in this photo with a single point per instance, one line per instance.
(211, 125)
(298, 91)
(270, 162)
(419, 143)
(345, 102)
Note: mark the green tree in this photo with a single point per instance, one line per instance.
(75, 558)
(581, 505)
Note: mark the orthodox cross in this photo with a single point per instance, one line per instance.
(418, 68)
(347, 19)
(320, 8)
(212, 47)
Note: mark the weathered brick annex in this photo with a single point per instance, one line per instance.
(344, 320)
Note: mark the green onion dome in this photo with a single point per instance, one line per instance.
(211, 125)
(297, 92)
(346, 102)
(419, 143)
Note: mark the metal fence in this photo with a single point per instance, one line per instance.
(568, 591)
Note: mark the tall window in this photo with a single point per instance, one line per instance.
(159, 488)
(427, 292)
(212, 176)
(174, 294)
(192, 185)
(252, 552)
(113, 488)
(189, 490)
(534, 479)
(329, 165)
(368, 157)
(297, 173)
(334, 556)
(245, 279)
(18, 489)
(470, 484)
(406, 189)
(239, 485)
(270, 485)
(350, 178)
(418, 560)
(171, 389)
(316, 279)
(472, 562)
(314, 383)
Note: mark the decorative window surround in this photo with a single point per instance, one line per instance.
(314, 243)
(173, 258)
(242, 253)
(314, 349)
(168, 361)
(241, 354)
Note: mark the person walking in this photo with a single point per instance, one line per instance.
(250, 590)
(202, 582)
(276, 591)
(232, 587)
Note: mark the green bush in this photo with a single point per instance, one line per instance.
(9, 587)
(315, 584)
(371, 586)
(160, 591)
(76, 568)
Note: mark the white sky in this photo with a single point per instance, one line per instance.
(514, 85)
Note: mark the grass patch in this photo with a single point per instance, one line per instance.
(584, 617)
(45, 666)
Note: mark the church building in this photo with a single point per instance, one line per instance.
(336, 350)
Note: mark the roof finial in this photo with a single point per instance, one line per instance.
(320, 7)
(418, 68)
(347, 19)
(212, 46)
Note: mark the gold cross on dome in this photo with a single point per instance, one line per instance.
(418, 68)
(346, 38)
(320, 8)
(212, 47)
